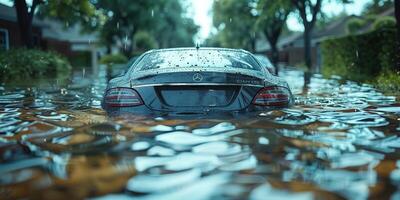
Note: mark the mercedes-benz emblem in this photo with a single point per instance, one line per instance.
(197, 77)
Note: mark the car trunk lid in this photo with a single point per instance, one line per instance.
(191, 96)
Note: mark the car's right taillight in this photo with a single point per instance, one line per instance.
(122, 97)
(272, 96)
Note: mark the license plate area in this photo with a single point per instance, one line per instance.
(197, 96)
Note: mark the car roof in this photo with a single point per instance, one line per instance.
(199, 48)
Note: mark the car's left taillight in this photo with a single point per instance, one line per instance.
(122, 97)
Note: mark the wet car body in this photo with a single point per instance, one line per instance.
(265, 62)
(195, 81)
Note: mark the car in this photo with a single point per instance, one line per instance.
(265, 62)
(195, 81)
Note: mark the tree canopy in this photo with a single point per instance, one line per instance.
(235, 22)
(163, 20)
(70, 11)
(271, 20)
(377, 6)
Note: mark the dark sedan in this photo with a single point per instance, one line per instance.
(196, 80)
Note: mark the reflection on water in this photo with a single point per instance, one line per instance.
(340, 140)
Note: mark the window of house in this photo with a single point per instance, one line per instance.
(4, 42)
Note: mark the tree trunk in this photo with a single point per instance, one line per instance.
(397, 14)
(24, 22)
(127, 48)
(307, 81)
(108, 49)
(307, 47)
(275, 57)
(253, 44)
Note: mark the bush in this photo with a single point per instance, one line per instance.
(389, 81)
(360, 57)
(81, 59)
(144, 41)
(22, 64)
(354, 25)
(113, 59)
(384, 22)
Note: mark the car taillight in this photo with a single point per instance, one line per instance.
(122, 97)
(272, 96)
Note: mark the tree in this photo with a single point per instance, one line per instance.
(173, 28)
(397, 15)
(376, 7)
(70, 11)
(162, 20)
(124, 19)
(235, 20)
(354, 25)
(309, 11)
(144, 41)
(271, 20)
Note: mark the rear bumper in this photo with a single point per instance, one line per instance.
(145, 111)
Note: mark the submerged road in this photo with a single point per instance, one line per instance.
(339, 141)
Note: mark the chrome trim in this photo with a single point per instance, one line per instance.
(194, 84)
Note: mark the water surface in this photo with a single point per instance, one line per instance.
(339, 141)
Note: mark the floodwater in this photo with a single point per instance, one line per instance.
(339, 141)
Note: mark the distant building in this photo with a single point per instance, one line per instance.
(292, 47)
(9, 29)
(50, 35)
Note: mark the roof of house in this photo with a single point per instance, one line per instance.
(59, 31)
(335, 29)
(262, 43)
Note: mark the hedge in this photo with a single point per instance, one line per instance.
(25, 64)
(360, 57)
(113, 59)
(81, 59)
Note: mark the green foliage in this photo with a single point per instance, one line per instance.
(354, 25)
(113, 59)
(72, 11)
(375, 7)
(124, 19)
(272, 15)
(235, 20)
(164, 20)
(325, 20)
(173, 28)
(24, 64)
(360, 57)
(389, 81)
(384, 22)
(144, 41)
(81, 59)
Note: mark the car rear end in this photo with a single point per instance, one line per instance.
(229, 82)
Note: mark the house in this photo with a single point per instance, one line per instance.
(291, 47)
(9, 29)
(50, 35)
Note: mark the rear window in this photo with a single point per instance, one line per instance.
(202, 58)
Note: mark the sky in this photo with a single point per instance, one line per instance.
(201, 12)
